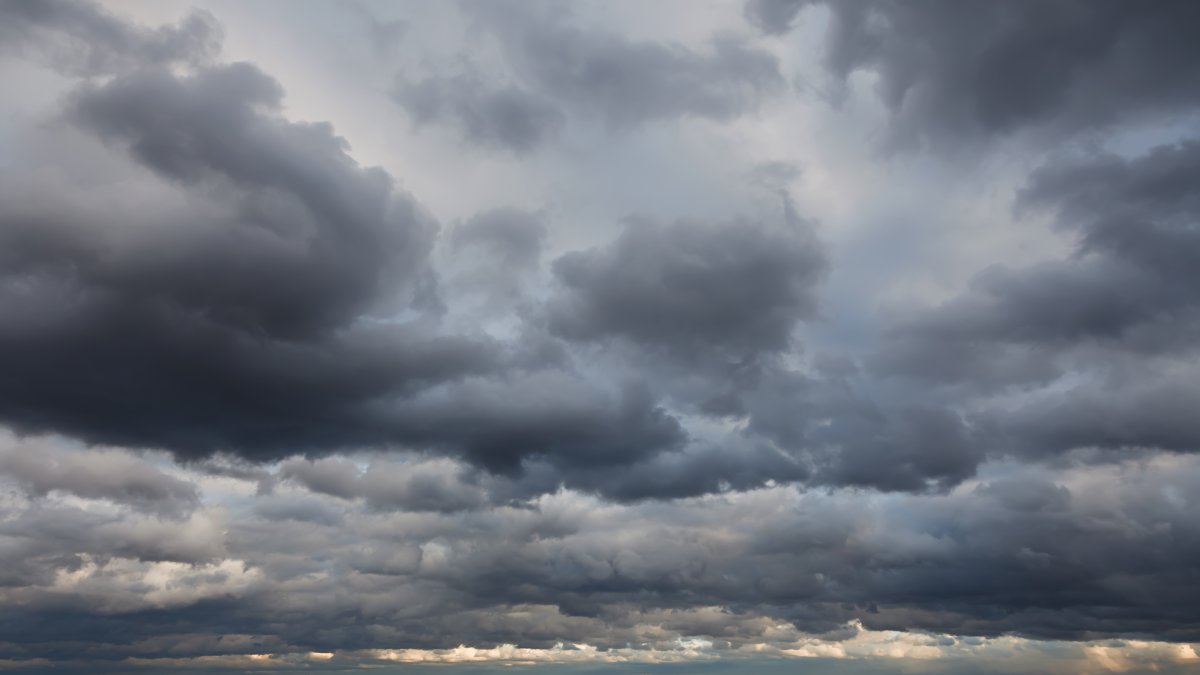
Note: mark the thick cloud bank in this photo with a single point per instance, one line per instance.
(967, 68)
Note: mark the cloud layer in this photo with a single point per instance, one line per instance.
(630, 351)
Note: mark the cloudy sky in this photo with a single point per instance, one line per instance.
(682, 336)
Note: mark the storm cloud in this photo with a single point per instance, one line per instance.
(1118, 315)
(695, 291)
(962, 69)
(601, 336)
(248, 311)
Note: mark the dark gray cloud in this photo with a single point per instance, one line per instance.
(832, 426)
(1102, 340)
(238, 468)
(912, 448)
(710, 309)
(215, 313)
(1083, 554)
(1131, 285)
(83, 38)
(248, 312)
(550, 415)
(1106, 418)
(318, 238)
(692, 290)
(381, 434)
(961, 69)
(703, 468)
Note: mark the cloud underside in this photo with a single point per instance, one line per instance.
(335, 557)
(264, 405)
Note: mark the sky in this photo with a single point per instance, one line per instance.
(680, 336)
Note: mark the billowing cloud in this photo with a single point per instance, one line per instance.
(1001, 555)
(626, 356)
(956, 69)
(115, 476)
(1117, 317)
(249, 307)
(693, 291)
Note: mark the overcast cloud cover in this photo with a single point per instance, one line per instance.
(777, 336)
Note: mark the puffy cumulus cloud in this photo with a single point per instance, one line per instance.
(318, 236)
(712, 310)
(50, 536)
(957, 70)
(104, 588)
(697, 291)
(214, 302)
(260, 293)
(246, 302)
(436, 485)
(39, 469)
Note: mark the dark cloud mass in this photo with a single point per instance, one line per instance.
(1021, 554)
(1119, 315)
(659, 365)
(319, 238)
(213, 323)
(977, 68)
(245, 323)
(696, 291)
